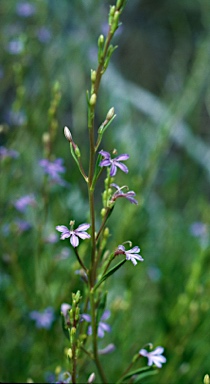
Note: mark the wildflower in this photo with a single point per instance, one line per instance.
(4, 153)
(44, 34)
(119, 193)
(25, 9)
(74, 234)
(114, 163)
(198, 229)
(43, 319)
(53, 169)
(131, 254)
(15, 47)
(22, 203)
(154, 357)
(102, 326)
(22, 225)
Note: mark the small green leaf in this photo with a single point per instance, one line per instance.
(109, 273)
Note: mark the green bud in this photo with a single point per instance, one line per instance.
(46, 138)
(119, 4)
(69, 353)
(103, 212)
(93, 99)
(93, 76)
(112, 10)
(77, 297)
(77, 312)
(206, 379)
(77, 151)
(73, 331)
(101, 41)
(110, 114)
(106, 232)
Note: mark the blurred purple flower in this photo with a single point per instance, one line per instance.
(154, 357)
(64, 378)
(108, 349)
(15, 47)
(53, 168)
(102, 327)
(198, 229)
(4, 153)
(22, 225)
(119, 193)
(16, 118)
(74, 234)
(65, 309)
(51, 238)
(25, 9)
(114, 163)
(44, 35)
(43, 319)
(22, 203)
(131, 254)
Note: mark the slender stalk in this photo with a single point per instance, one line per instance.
(79, 260)
(94, 338)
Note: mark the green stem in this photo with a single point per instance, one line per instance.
(94, 339)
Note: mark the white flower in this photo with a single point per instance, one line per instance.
(154, 357)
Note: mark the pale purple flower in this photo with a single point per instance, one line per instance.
(102, 326)
(22, 225)
(114, 163)
(64, 378)
(43, 319)
(4, 153)
(74, 234)
(25, 9)
(119, 193)
(131, 254)
(154, 357)
(44, 35)
(198, 229)
(22, 203)
(65, 309)
(53, 169)
(15, 47)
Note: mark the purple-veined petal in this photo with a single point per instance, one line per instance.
(122, 167)
(135, 249)
(82, 227)
(65, 235)
(74, 240)
(122, 157)
(113, 170)
(82, 235)
(62, 228)
(105, 154)
(105, 163)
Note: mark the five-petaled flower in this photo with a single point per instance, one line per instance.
(154, 357)
(119, 193)
(131, 254)
(53, 169)
(114, 163)
(74, 234)
(102, 326)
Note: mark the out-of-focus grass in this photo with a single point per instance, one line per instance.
(159, 85)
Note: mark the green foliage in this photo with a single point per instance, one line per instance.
(158, 82)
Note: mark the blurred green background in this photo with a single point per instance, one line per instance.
(159, 84)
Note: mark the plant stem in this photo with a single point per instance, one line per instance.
(94, 339)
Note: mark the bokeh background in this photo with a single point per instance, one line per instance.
(159, 83)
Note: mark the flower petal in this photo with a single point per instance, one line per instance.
(122, 157)
(121, 166)
(74, 240)
(62, 228)
(82, 227)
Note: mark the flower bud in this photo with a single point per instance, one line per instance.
(93, 76)
(46, 138)
(206, 379)
(110, 114)
(67, 134)
(69, 353)
(103, 212)
(93, 99)
(101, 40)
(106, 232)
(91, 378)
